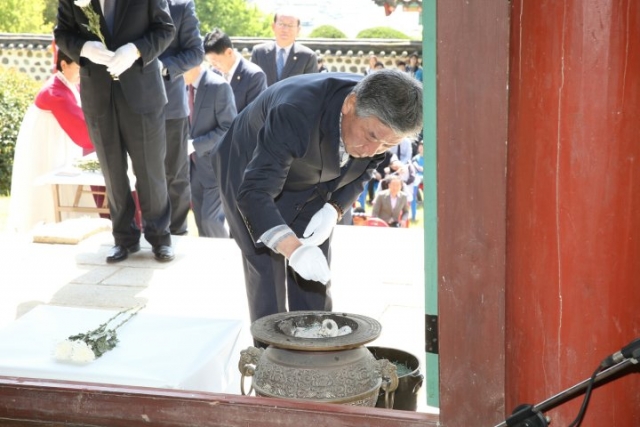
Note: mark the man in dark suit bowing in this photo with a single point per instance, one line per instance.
(246, 79)
(184, 53)
(283, 57)
(290, 165)
(123, 100)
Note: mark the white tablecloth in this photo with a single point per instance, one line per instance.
(199, 354)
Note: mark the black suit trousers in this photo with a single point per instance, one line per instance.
(116, 133)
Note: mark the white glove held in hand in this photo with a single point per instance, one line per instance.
(310, 263)
(124, 57)
(319, 228)
(96, 52)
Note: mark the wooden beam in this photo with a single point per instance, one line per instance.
(26, 401)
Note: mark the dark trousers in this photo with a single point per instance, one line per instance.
(121, 131)
(176, 167)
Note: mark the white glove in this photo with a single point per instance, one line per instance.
(310, 263)
(124, 57)
(319, 228)
(96, 52)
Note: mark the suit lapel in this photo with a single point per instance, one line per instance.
(121, 8)
(201, 93)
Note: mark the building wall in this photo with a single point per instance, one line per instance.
(32, 54)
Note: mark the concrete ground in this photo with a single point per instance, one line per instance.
(377, 272)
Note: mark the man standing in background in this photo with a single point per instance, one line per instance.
(213, 111)
(246, 79)
(283, 57)
(123, 100)
(184, 53)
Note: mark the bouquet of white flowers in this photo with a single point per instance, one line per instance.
(84, 348)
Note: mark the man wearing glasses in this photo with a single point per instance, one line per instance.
(283, 57)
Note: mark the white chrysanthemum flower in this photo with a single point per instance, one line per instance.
(82, 3)
(82, 353)
(63, 350)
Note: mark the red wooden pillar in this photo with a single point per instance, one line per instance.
(573, 203)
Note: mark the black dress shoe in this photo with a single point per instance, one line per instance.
(163, 253)
(120, 252)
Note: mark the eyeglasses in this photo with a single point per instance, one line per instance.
(283, 25)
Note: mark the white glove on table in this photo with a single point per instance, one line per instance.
(124, 57)
(310, 263)
(96, 52)
(319, 228)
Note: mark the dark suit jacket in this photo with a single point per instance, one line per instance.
(247, 82)
(184, 53)
(213, 111)
(145, 23)
(281, 156)
(301, 60)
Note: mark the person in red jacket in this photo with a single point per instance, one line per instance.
(53, 134)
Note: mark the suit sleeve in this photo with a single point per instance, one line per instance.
(258, 84)
(224, 112)
(283, 137)
(159, 33)
(191, 51)
(67, 32)
(312, 64)
(405, 210)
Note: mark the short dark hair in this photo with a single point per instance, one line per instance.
(217, 42)
(61, 56)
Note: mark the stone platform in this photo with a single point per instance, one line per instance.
(376, 272)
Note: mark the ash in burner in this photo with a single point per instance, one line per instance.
(327, 329)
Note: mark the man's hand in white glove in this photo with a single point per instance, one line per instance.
(319, 228)
(310, 263)
(96, 52)
(124, 57)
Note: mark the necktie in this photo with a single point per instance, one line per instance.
(109, 13)
(192, 98)
(280, 62)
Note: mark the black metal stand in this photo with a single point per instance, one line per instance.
(533, 415)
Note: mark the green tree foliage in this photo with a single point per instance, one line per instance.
(234, 17)
(381, 33)
(22, 16)
(327, 32)
(50, 13)
(17, 91)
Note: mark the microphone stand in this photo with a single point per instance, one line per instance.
(532, 415)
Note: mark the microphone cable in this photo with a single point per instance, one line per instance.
(585, 401)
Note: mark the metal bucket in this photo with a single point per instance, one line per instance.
(405, 397)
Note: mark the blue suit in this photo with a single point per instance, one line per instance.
(247, 82)
(301, 60)
(214, 110)
(278, 165)
(184, 53)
